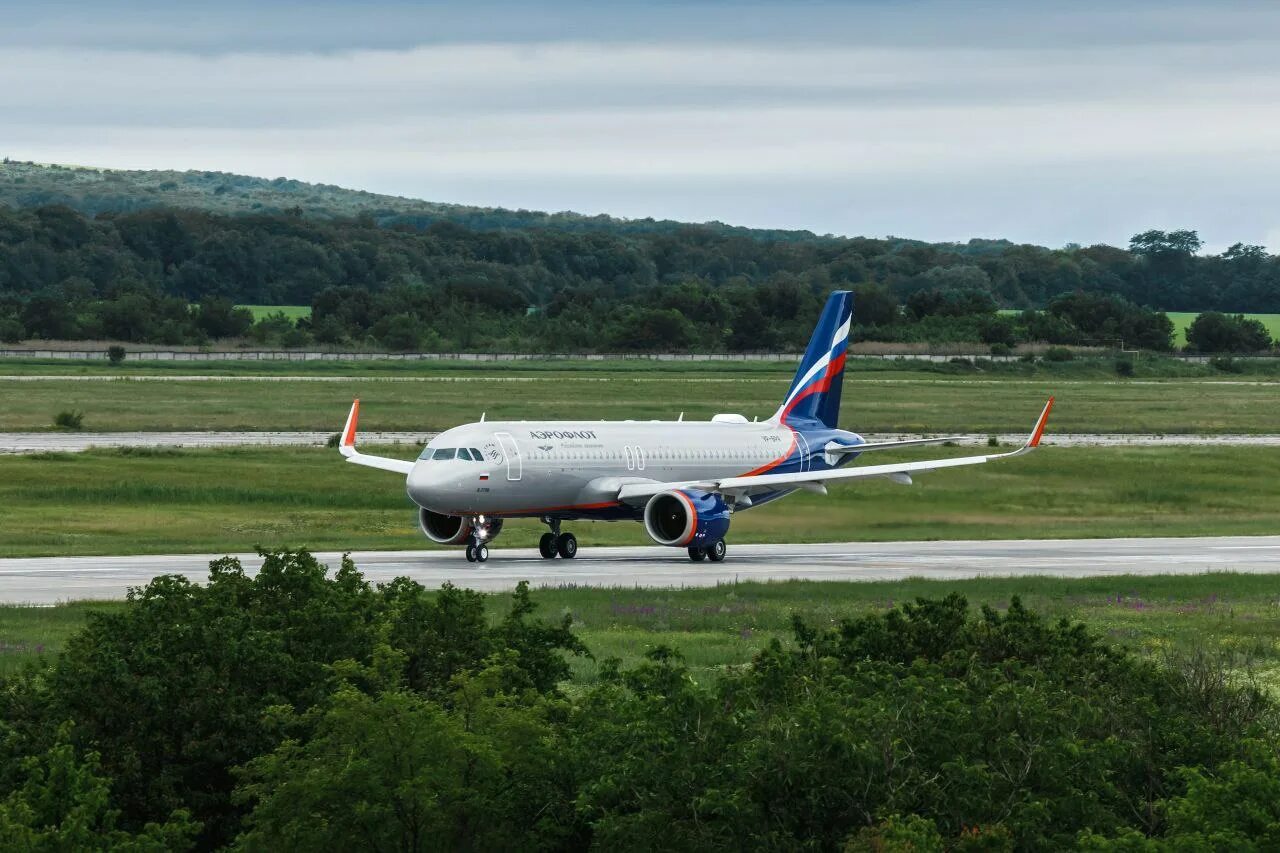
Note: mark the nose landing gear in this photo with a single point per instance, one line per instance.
(482, 530)
(555, 543)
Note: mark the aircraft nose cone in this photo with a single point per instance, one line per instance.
(420, 484)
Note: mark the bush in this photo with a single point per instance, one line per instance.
(1027, 358)
(115, 353)
(1058, 354)
(69, 419)
(1226, 364)
(11, 330)
(1124, 367)
(1001, 349)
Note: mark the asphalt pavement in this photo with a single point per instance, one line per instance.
(46, 580)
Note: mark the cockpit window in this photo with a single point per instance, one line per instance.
(477, 455)
(464, 453)
(442, 453)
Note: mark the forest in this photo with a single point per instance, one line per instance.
(306, 710)
(174, 276)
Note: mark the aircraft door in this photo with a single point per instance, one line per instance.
(515, 466)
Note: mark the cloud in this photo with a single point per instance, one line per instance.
(939, 121)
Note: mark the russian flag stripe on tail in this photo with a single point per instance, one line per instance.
(815, 392)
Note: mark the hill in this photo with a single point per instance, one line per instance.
(93, 191)
(87, 254)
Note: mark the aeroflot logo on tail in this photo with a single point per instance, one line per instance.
(566, 433)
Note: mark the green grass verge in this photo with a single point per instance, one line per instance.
(951, 398)
(197, 501)
(724, 626)
(293, 312)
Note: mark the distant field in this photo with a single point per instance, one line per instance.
(724, 626)
(293, 312)
(196, 501)
(882, 397)
(1182, 321)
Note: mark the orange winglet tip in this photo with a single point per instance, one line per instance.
(1044, 419)
(349, 434)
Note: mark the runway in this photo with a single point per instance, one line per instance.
(75, 442)
(47, 580)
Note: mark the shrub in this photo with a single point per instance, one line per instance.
(1226, 364)
(115, 353)
(11, 330)
(1000, 348)
(1058, 354)
(993, 441)
(1027, 358)
(68, 419)
(1124, 367)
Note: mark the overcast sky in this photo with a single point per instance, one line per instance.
(1046, 123)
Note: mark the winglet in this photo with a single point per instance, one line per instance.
(347, 445)
(1034, 441)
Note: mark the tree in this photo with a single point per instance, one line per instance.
(1213, 331)
(63, 803)
(220, 318)
(400, 772)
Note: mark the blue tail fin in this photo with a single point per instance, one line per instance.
(815, 392)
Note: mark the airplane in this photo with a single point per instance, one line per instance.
(684, 480)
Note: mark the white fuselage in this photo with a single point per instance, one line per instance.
(576, 467)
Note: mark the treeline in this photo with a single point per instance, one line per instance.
(299, 711)
(134, 276)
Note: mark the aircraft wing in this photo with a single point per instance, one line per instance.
(347, 447)
(901, 470)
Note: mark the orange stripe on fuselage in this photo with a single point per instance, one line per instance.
(775, 463)
(505, 513)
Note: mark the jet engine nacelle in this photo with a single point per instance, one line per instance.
(686, 518)
(454, 529)
(443, 529)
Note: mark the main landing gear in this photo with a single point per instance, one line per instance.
(714, 552)
(555, 543)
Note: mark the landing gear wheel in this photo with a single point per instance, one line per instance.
(715, 553)
(697, 554)
(547, 546)
(567, 547)
(482, 553)
(471, 553)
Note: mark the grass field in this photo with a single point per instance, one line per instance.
(724, 626)
(293, 312)
(196, 501)
(891, 398)
(1182, 320)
